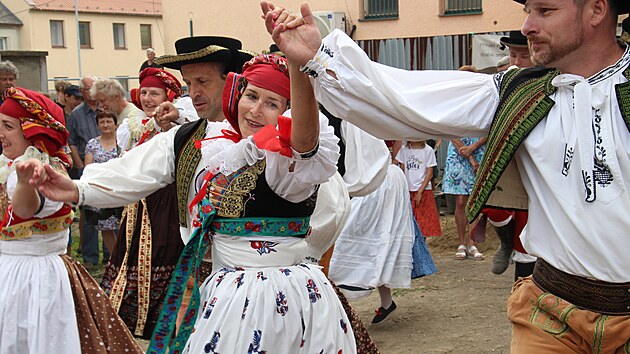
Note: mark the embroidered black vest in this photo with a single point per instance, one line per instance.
(524, 102)
(246, 194)
(186, 160)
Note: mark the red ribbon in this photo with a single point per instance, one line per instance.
(202, 192)
(277, 140)
(227, 134)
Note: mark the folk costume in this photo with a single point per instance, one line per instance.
(567, 136)
(260, 285)
(148, 246)
(48, 302)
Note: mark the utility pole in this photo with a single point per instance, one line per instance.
(76, 19)
(190, 22)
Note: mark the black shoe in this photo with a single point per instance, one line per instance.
(382, 313)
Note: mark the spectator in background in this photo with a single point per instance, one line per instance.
(462, 161)
(110, 96)
(82, 127)
(60, 88)
(72, 98)
(519, 53)
(150, 63)
(418, 160)
(8, 74)
(99, 150)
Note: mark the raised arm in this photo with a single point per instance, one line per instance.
(305, 112)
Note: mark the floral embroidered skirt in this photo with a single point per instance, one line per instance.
(292, 309)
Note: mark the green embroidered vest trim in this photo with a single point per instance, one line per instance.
(524, 103)
(187, 161)
(623, 97)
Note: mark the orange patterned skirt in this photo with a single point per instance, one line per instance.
(426, 214)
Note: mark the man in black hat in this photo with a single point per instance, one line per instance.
(567, 129)
(203, 63)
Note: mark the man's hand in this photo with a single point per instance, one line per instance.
(297, 37)
(165, 114)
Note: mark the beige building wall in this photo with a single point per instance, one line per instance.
(418, 18)
(102, 59)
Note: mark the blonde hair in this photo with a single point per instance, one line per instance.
(470, 68)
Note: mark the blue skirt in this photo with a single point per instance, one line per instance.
(422, 261)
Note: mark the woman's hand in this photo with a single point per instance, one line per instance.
(298, 37)
(25, 169)
(467, 151)
(53, 184)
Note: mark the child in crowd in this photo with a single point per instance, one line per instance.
(417, 159)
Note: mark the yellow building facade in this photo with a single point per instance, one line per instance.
(113, 36)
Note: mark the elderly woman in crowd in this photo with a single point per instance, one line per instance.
(48, 302)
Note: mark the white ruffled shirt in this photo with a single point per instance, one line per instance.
(151, 166)
(585, 238)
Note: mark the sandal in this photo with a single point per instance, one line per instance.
(461, 252)
(474, 253)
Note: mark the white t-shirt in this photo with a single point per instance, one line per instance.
(416, 162)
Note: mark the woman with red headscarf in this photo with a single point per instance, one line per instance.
(156, 86)
(149, 242)
(255, 199)
(48, 302)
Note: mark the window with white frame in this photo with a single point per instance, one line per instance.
(4, 43)
(459, 7)
(120, 41)
(56, 34)
(380, 9)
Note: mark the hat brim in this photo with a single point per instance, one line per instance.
(622, 5)
(209, 54)
(507, 42)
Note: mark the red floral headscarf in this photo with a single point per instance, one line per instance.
(42, 121)
(154, 77)
(267, 71)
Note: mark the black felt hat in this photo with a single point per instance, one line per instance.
(273, 49)
(623, 6)
(516, 39)
(207, 49)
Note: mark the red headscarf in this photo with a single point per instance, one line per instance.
(267, 71)
(42, 121)
(154, 77)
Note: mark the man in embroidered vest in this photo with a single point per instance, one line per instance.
(566, 129)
